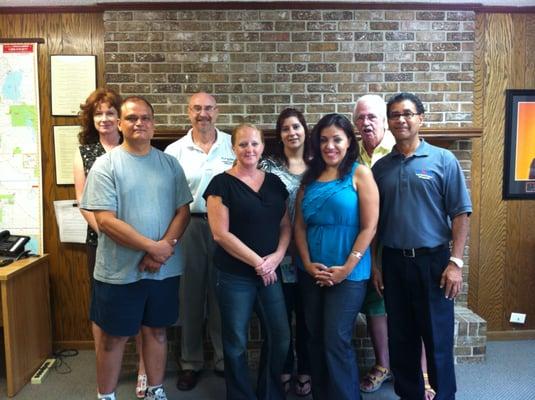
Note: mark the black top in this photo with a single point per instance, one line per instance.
(254, 217)
(90, 152)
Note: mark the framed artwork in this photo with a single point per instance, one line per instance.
(519, 157)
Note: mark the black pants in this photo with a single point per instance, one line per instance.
(417, 309)
(294, 304)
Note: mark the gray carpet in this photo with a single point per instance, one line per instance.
(508, 374)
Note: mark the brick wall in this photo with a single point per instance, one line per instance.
(258, 62)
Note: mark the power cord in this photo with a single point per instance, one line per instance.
(61, 366)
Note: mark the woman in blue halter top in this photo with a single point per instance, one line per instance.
(336, 218)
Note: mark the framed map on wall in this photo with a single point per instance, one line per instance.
(21, 200)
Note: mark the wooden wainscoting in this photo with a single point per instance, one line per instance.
(502, 248)
(68, 33)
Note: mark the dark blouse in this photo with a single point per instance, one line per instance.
(254, 217)
(89, 153)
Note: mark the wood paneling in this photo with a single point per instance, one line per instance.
(502, 256)
(74, 33)
(502, 245)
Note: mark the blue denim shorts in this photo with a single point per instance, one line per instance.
(120, 310)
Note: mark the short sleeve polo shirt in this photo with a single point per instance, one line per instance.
(200, 167)
(419, 195)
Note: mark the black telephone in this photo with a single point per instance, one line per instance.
(12, 245)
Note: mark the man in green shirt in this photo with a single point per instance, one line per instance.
(370, 120)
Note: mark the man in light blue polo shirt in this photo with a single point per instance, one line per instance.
(140, 198)
(424, 206)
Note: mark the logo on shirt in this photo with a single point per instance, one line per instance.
(227, 160)
(423, 174)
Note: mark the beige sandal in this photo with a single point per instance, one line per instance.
(376, 376)
(141, 386)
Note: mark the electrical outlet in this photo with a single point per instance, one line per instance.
(518, 318)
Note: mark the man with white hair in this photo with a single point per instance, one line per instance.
(370, 120)
(369, 117)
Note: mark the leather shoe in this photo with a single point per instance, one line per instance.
(187, 379)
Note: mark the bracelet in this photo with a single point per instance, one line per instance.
(457, 261)
(356, 254)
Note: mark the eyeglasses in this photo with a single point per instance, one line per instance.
(132, 119)
(406, 115)
(198, 109)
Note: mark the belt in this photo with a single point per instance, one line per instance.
(199, 215)
(411, 253)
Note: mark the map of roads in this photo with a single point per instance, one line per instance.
(20, 147)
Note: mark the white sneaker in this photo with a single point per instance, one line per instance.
(157, 394)
(107, 397)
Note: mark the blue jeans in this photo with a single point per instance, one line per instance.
(238, 296)
(330, 314)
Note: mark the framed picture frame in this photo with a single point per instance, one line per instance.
(519, 156)
(72, 79)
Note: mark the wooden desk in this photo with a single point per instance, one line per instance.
(25, 319)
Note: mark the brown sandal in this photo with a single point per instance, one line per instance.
(429, 391)
(286, 381)
(376, 376)
(303, 388)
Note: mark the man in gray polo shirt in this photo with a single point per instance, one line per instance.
(424, 206)
(204, 152)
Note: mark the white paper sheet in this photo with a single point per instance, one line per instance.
(71, 224)
(65, 145)
(72, 79)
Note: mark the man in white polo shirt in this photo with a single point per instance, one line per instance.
(204, 152)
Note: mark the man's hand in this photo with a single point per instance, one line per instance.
(377, 281)
(162, 250)
(451, 281)
(149, 264)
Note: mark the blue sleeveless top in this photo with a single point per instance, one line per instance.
(331, 213)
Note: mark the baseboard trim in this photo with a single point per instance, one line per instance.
(73, 344)
(511, 335)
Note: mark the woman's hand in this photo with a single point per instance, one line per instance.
(320, 273)
(269, 264)
(270, 278)
(338, 274)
